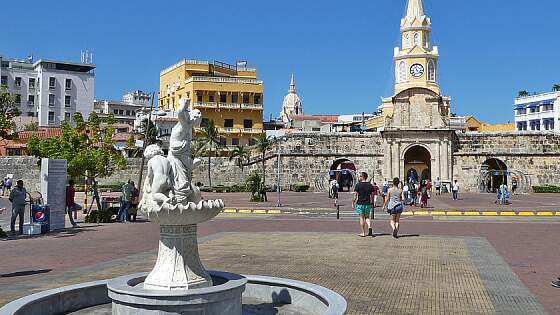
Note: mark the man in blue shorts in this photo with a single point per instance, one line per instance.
(363, 201)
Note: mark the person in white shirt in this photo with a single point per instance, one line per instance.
(406, 193)
(455, 190)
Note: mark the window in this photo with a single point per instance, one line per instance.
(51, 116)
(31, 100)
(245, 98)
(211, 98)
(223, 97)
(247, 123)
(115, 111)
(522, 126)
(67, 116)
(402, 72)
(235, 141)
(426, 40)
(17, 83)
(257, 99)
(31, 83)
(68, 84)
(67, 99)
(535, 110)
(228, 123)
(52, 83)
(51, 99)
(223, 141)
(18, 98)
(235, 98)
(535, 125)
(416, 39)
(522, 111)
(431, 71)
(4, 80)
(406, 41)
(121, 112)
(127, 112)
(199, 98)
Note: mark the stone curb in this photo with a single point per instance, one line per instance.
(409, 213)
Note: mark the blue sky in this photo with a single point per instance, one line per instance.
(340, 51)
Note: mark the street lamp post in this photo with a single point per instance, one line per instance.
(279, 170)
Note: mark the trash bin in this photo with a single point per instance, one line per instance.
(41, 214)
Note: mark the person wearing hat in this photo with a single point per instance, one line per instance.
(17, 198)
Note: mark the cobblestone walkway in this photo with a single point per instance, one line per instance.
(411, 275)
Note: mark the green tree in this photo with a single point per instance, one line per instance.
(197, 149)
(254, 185)
(522, 93)
(556, 88)
(263, 144)
(88, 152)
(32, 126)
(151, 137)
(241, 154)
(8, 110)
(210, 137)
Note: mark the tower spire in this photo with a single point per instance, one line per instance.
(293, 85)
(415, 9)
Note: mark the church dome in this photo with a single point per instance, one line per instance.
(292, 103)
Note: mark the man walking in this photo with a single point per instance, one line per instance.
(362, 202)
(71, 206)
(437, 185)
(126, 197)
(455, 190)
(17, 198)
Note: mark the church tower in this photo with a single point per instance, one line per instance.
(416, 61)
(292, 103)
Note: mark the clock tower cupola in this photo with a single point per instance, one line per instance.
(416, 60)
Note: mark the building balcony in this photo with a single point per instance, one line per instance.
(252, 106)
(223, 80)
(205, 105)
(251, 130)
(229, 130)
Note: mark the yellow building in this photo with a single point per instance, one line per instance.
(230, 95)
(474, 124)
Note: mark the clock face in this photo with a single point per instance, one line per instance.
(417, 70)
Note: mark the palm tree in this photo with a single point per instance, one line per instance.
(523, 93)
(263, 144)
(241, 154)
(210, 139)
(556, 87)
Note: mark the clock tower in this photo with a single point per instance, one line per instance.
(416, 60)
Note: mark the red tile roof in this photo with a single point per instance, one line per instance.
(42, 133)
(121, 136)
(322, 118)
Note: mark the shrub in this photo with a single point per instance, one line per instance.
(2, 233)
(546, 189)
(98, 217)
(300, 187)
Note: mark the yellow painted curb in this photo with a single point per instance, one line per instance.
(421, 213)
(437, 213)
(408, 213)
(274, 212)
(471, 213)
(508, 213)
(545, 213)
(490, 213)
(558, 213)
(230, 211)
(259, 211)
(454, 213)
(244, 211)
(526, 214)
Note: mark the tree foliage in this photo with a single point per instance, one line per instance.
(263, 144)
(210, 139)
(8, 110)
(241, 154)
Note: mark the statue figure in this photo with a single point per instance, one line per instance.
(158, 187)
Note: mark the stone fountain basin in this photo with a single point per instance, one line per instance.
(194, 213)
(262, 295)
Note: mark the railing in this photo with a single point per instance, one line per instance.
(228, 130)
(206, 104)
(251, 130)
(246, 69)
(183, 62)
(228, 105)
(251, 106)
(222, 80)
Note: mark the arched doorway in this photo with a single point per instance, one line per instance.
(344, 171)
(417, 164)
(493, 173)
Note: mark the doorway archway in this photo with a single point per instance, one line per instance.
(344, 171)
(417, 164)
(493, 173)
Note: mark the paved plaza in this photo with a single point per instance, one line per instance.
(439, 266)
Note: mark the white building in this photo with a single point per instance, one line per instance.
(538, 112)
(51, 91)
(125, 110)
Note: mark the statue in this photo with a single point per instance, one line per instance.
(170, 199)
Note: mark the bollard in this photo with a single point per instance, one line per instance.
(337, 212)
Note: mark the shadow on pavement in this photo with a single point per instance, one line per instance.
(408, 235)
(24, 273)
(55, 234)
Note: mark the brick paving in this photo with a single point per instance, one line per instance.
(530, 248)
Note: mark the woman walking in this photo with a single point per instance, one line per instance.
(394, 205)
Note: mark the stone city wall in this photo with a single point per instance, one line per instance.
(22, 167)
(532, 157)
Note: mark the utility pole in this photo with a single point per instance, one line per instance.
(144, 144)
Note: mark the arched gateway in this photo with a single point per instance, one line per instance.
(417, 164)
